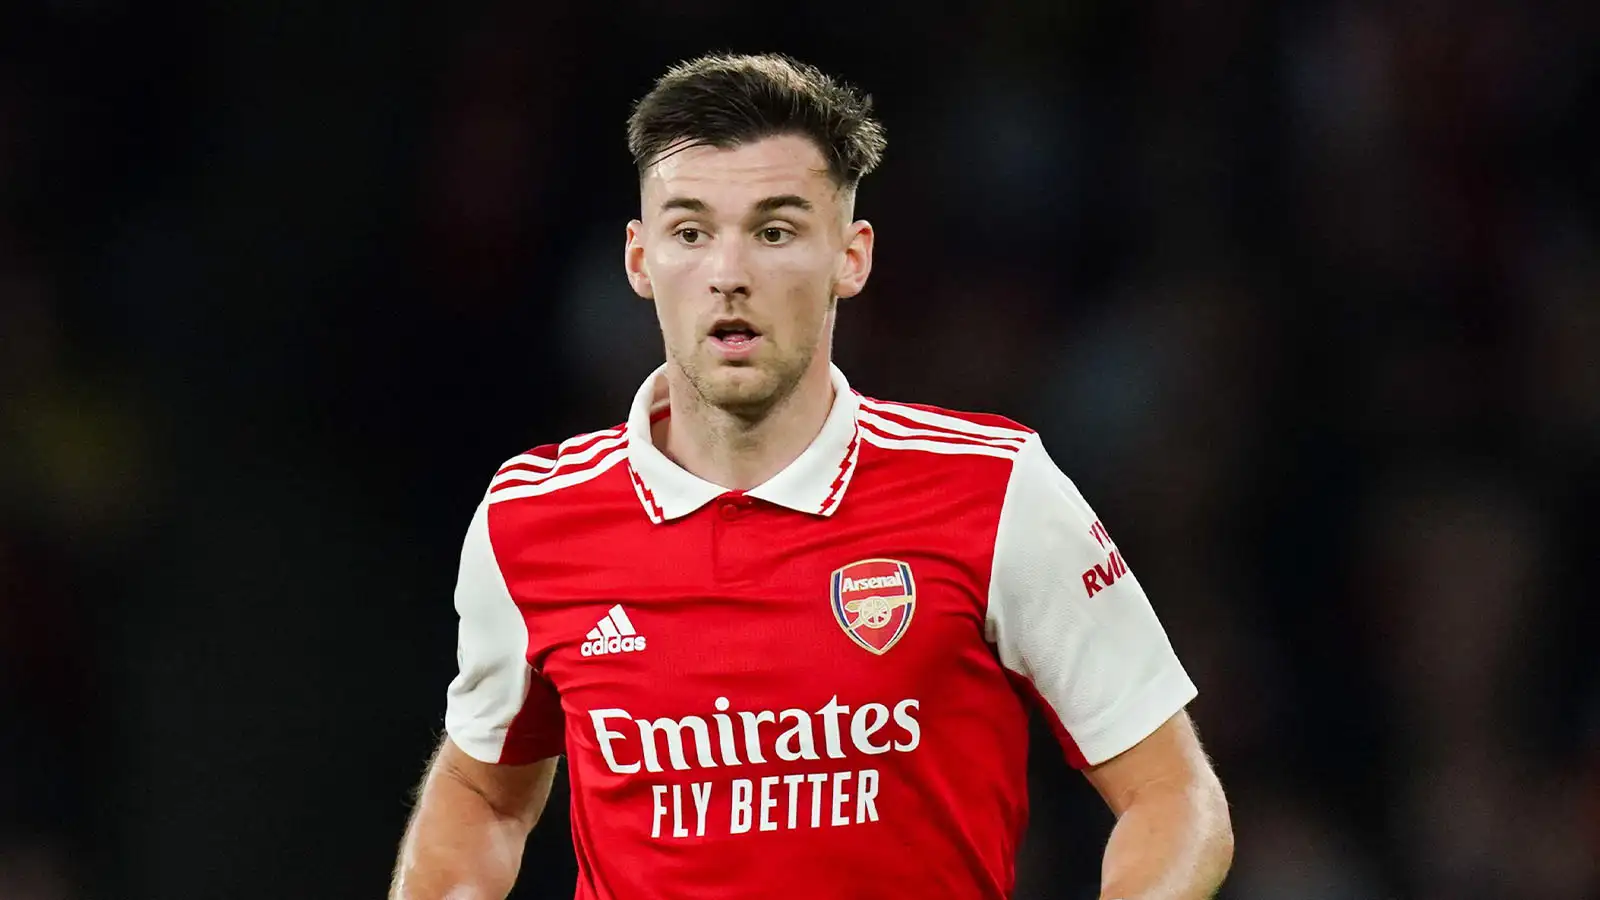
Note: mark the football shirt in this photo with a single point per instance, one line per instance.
(817, 687)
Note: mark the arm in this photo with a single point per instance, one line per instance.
(466, 834)
(490, 778)
(1173, 839)
(1068, 615)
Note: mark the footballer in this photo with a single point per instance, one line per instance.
(787, 635)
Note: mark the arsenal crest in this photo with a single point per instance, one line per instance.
(872, 601)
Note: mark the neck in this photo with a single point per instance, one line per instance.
(740, 453)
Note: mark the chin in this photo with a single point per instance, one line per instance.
(738, 388)
(747, 389)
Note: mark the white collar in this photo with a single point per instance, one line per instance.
(814, 483)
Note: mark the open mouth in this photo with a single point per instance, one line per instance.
(734, 334)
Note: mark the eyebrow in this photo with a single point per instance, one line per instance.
(773, 204)
(763, 206)
(686, 203)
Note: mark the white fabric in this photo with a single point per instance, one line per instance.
(1103, 662)
(491, 650)
(803, 485)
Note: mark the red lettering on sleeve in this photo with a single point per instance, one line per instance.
(1108, 573)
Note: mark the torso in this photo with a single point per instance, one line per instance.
(921, 790)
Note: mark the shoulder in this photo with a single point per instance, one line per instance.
(962, 452)
(549, 468)
(927, 429)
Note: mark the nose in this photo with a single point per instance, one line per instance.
(727, 272)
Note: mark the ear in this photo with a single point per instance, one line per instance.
(633, 261)
(857, 262)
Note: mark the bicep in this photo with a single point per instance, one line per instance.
(512, 791)
(1170, 758)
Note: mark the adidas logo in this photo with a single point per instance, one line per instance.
(613, 634)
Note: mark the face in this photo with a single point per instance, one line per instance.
(744, 251)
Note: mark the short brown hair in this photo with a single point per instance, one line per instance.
(724, 100)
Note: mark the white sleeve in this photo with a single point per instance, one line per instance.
(1066, 614)
(493, 676)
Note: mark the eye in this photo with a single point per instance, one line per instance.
(688, 235)
(775, 235)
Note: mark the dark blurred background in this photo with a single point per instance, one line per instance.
(1305, 296)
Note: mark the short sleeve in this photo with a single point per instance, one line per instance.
(1069, 618)
(498, 710)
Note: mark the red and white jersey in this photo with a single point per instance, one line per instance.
(816, 687)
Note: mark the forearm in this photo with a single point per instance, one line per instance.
(1170, 844)
(457, 846)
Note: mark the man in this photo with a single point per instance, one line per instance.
(787, 635)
